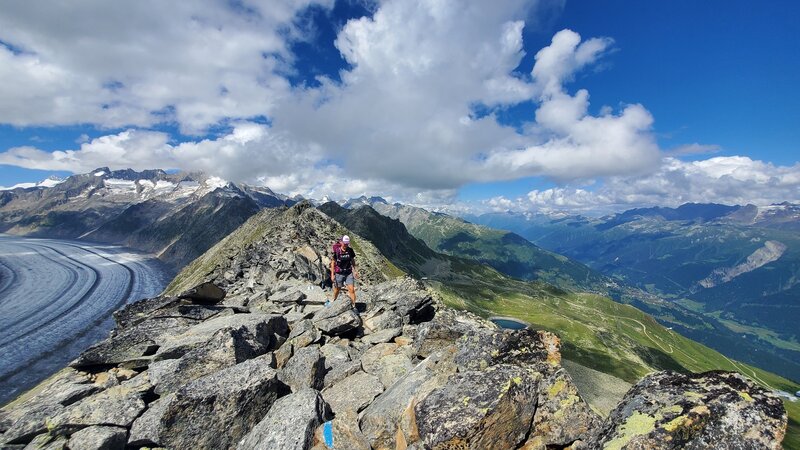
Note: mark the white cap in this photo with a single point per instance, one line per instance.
(346, 239)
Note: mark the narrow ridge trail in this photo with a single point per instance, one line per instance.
(57, 298)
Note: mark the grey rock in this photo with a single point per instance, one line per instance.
(47, 442)
(304, 370)
(380, 318)
(382, 336)
(227, 347)
(340, 372)
(446, 327)
(353, 393)
(118, 406)
(132, 344)
(370, 359)
(334, 355)
(263, 332)
(337, 319)
(480, 409)
(667, 410)
(481, 348)
(289, 424)
(289, 297)
(136, 312)
(204, 293)
(562, 416)
(146, 430)
(188, 311)
(29, 422)
(98, 438)
(393, 367)
(215, 411)
(303, 334)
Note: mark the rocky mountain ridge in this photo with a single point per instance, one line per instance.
(176, 216)
(253, 357)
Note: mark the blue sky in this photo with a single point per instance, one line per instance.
(441, 104)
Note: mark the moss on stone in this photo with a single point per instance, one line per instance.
(636, 425)
(557, 387)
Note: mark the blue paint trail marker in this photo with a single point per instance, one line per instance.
(327, 434)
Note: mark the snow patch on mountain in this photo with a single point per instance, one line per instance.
(771, 251)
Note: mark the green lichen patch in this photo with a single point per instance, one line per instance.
(638, 424)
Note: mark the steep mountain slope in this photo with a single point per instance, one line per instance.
(737, 267)
(177, 216)
(507, 252)
(596, 332)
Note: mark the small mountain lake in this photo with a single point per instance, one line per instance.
(508, 323)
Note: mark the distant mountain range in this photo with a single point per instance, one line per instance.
(738, 266)
(176, 216)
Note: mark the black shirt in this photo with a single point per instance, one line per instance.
(345, 259)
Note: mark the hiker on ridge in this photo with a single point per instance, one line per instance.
(343, 269)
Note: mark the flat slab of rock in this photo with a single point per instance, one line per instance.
(382, 336)
(353, 393)
(337, 319)
(98, 438)
(667, 410)
(289, 424)
(118, 405)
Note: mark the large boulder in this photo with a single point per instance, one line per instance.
(480, 409)
(480, 348)
(289, 424)
(261, 331)
(305, 369)
(382, 421)
(353, 393)
(98, 438)
(668, 410)
(227, 347)
(215, 411)
(337, 319)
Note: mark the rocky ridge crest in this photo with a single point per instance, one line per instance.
(252, 358)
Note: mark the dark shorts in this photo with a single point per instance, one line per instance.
(343, 279)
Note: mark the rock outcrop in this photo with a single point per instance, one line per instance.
(271, 365)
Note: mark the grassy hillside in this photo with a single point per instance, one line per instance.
(507, 252)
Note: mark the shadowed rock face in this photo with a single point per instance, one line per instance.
(267, 363)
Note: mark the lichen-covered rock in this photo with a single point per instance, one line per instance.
(289, 424)
(215, 411)
(446, 327)
(304, 370)
(562, 416)
(668, 410)
(382, 336)
(480, 409)
(98, 438)
(380, 422)
(481, 348)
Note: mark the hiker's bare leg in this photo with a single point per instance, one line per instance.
(335, 291)
(351, 292)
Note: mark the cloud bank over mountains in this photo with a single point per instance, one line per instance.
(413, 116)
